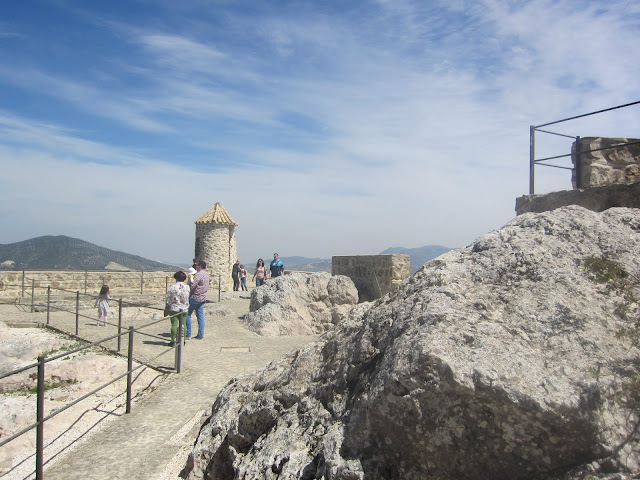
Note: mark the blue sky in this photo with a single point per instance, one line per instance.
(323, 127)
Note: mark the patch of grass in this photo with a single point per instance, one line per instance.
(605, 271)
(17, 391)
(33, 390)
(64, 348)
(52, 385)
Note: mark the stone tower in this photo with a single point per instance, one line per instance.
(216, 244)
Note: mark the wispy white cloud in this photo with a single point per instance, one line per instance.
(23, 134)
(84, 96)
(180, 53)
(323, 130)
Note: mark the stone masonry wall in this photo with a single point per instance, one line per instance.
(373, 275)
(120, 283)
(233, 255)
(214, 244)
(607, 165)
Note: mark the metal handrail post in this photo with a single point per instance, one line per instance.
(22, 295)
(48, 302)
(578, 167)
(129, 369)
(40, 420)
(166, 284)
(532, 158)
(86, 275)
(219, 286)
(180, 339)
(119, 324)
(33, 292)
(77, 312)
(141, 281)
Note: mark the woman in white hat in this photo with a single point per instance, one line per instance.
(190, 273)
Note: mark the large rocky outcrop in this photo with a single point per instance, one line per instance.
(300, 304)
(495, 361)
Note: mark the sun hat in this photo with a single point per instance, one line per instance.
(191, 271)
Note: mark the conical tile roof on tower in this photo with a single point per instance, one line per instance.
(217, 214)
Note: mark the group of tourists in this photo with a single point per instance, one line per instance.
(189, 294)
(260, 275)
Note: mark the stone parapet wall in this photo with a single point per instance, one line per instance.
(597, 199)
(373, 275)
(12, 283)
(603, 162)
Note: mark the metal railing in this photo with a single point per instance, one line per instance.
(533, 161)
(42, 360)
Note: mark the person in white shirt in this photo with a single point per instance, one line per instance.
(177, 304)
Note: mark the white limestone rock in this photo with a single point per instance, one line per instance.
(300, 304)
(494, 361)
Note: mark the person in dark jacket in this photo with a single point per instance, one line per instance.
(235, 274)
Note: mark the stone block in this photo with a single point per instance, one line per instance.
(373, 275)
(597, 199)
(601, 161)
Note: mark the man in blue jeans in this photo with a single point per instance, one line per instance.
(198, 297)
(276, 267)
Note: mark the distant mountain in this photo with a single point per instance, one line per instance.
(304, 264)
(67, 253)
(420, 255)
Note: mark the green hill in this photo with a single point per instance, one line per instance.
(66, 253)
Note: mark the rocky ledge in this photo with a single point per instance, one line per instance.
(497, 361)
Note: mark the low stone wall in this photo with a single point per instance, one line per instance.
(19, 283)
(373, 275)
(597, 199)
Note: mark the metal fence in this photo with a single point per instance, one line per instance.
(533, 161)
(42, 360)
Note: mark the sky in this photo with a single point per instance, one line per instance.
(323, 127)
